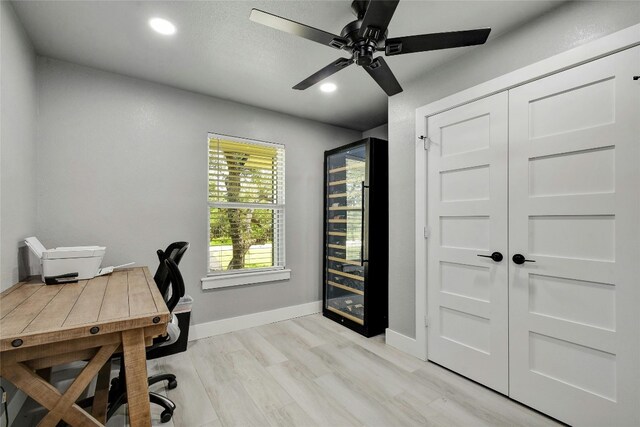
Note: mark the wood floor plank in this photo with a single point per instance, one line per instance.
(319, 329)
(312, 364)
(273, 375)
(225, 343)
(474, 398)
(216, 423)
(265, 391)
(457, 415)
(413, 402)
(356, 401)
(379, 347)
(153, 367)
(269, 329)
(210, 365)
(290, 415)
(357, 372)
(306, 337)
(229, 398)
(321, 407)
(407, 415)
(235, 407)
(389, 373)
(190, 389)
(264, 352)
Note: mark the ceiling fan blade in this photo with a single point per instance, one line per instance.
(297, 29)
(382, 74)
(376, 18)
(435, 41)
(327, 71)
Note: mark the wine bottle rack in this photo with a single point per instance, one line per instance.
(355, 259)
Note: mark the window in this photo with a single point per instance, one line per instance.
(246, 210)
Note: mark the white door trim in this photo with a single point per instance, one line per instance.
(607, 45)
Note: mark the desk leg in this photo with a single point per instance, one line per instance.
(135, 365)
(101, 396)
(60, 406)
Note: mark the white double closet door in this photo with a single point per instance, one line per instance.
(548, 172)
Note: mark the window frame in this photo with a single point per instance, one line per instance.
(244, 276)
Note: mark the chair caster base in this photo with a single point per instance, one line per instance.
(165, 417)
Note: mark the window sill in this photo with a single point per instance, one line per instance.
(246, 278)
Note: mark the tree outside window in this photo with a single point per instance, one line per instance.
(246, 204)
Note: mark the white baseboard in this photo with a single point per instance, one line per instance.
(14, 407)
(405, 344)
(217, 327)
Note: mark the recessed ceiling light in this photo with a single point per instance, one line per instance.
(162, 26)
(328, 87)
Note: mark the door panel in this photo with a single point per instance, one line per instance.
(467, 210)
(574, 209)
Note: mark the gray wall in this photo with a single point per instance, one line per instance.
(563, 28)
(123, 163)
(17, 143)
(381, 132)
(17, 149)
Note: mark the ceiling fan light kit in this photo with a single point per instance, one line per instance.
(367, 35)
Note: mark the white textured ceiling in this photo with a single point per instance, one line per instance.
(217, 51)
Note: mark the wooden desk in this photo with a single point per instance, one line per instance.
(43, 326)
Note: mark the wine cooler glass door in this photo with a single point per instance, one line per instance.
(345, 215)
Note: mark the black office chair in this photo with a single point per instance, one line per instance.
(174, 251)
(118, 390)
(171, 286)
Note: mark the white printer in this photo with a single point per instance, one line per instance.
(67, 264)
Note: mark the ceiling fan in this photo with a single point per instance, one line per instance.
(367, 35)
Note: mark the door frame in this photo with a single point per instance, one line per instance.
(604, 46)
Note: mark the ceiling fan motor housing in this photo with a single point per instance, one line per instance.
(362, 48)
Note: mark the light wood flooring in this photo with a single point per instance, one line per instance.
(311, 371)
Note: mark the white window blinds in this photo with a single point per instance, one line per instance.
(246, 204)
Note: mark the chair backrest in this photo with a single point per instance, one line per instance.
(175, 291)
(177, 284)
(174, 251)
